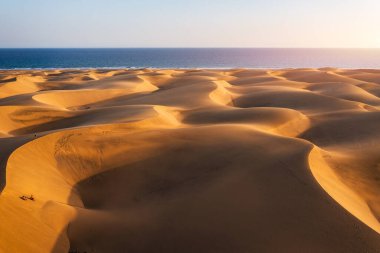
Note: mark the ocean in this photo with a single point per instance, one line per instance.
(188, 58)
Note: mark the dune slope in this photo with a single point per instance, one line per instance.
(190, 161)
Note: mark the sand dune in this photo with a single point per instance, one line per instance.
(190, 161)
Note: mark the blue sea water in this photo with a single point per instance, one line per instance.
(188, 58)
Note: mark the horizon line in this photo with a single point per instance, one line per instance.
(189, 47)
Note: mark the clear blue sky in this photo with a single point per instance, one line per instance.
(189, 23)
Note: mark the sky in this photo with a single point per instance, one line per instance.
(190, 23)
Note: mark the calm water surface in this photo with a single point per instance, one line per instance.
(188, 58)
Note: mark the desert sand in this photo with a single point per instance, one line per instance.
(190, 161)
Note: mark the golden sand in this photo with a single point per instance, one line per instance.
(190, 161)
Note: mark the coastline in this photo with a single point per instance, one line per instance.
(189, 68)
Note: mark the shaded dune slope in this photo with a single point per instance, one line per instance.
(190, 161)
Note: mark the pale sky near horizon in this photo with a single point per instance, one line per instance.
(195, 23)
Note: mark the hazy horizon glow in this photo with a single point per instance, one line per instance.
(196, 23)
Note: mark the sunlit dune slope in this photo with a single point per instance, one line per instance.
(190, 161)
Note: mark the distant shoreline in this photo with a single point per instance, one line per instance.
(153, 69)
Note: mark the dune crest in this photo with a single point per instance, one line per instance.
(336, 188)
(190, 160)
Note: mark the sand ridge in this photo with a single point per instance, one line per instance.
(154, 160)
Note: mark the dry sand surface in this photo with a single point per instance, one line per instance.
(190, 161)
